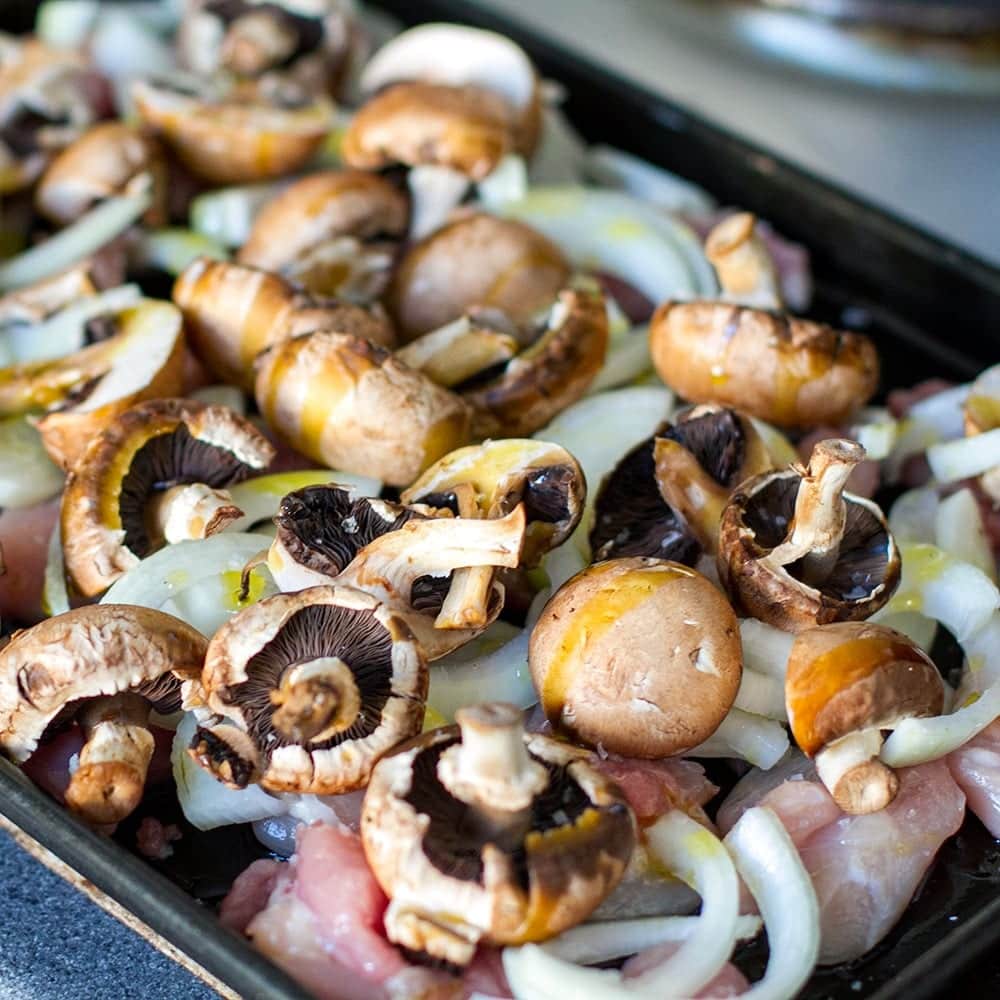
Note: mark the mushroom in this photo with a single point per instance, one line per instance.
(109, 158)
(235, 138)
(982, 414)
(309, 690)
(795, 550)
(476, 260)
(334, 233)
(782, 369)
(34, 303)
(481, 833)
(233, 312)
(105, 667)
(846, 682)
(157, 473)
(637, 656)
(349, 404)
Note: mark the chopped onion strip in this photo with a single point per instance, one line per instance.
(627, 359)
(226, 216)
(765, 648)
(172, 249)
(913, 516)
(760, 694)
(27, 474)
(762, 742)
(964, 457)
(771, 867)
(508, 181)
(959, 530)
(877, 434)
(943, 412)
(55, 595)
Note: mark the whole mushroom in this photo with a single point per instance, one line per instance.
(481, 833)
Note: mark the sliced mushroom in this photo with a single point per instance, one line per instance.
(105, 667)
(310, 690)
(349, 404)
(480, 833)
(234, 139)
(32, 304)
(846, 682)
(787, 371)
(795, 550)
(637, 656)
(333, 232)
(477, 260)
(109, 158)
(157, 473)
(234, 312)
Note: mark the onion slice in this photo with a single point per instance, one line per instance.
(55, 594)
(760, 694)
(27, 474)
(769, 864)
(959, 530)
(745, 736)
(964, 457)
(765, 648)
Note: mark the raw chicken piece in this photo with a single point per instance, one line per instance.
(729, 982)
(24, 537)
(249, 894)
(865, 869)
(976, 768)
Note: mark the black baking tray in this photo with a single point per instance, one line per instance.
(933, 309)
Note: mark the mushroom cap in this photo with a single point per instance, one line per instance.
(453, 882)
(100, 649)
(788, 371)
(233, 141)
(152, 446)
(756, 521)
(319, 208)
(548, 376)
(465, 128)
(107, 159)
(351, 405)
(851, 676)
(476, 260)
(249, 654)
(639, 656)
(546, 478)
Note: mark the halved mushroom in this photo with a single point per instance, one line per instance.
(310, 690)
(476, 261)
(795, 550)
(846, 682)
(236, 138)
(349, 404)
(333, 233)
(30, 305)
(105, 667)
(782, 369)
(234, 312)
(481, 833)
(637, 656)
(157, 473)
(109, 158)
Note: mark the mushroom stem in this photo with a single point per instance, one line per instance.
(491, 768)
(435, 191)
(227, 752)
(467, 603)
(858, 781)
(108, 784)
(820, 512)
(316, 700)
(191, 511)
(690, 491)
(743, 263)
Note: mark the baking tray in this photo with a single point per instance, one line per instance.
(933, 310)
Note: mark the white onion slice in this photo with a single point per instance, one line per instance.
(760, 694)
(627, 359)
(771, 867)
(913, 517)
(913, 436)
(27, 474)
(918, 627)
(562, 564)
(226, 216)
(877, 433)
(765, 648)
(66, 23)
(123, 47)
(172, 249)
(79, 239)
(55, 595)
(560, 153)
(959, 530)
(781, 450)
(964, 457)
(508, 181)
(762, 742)
(230, 396)
(434, 191)
(943, 411)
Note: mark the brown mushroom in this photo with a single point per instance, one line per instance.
(105, 667)
(788, 371)
(33, 303)
(349, 404)
(846, 682)
(637, 656)
(334, 233)
(309, 690)
(795, 550)
(234, 312)
(477, 260)
(157, 473)
(481, 833)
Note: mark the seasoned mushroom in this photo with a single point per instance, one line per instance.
(477, 260)
(743, 263)
(157, 473)
(109, 158)
(237, 138)
(30, 305)
(480, 833)
(349, 404)
(105, 667)
(233, 312)
(795, 550)
(310, 689)
(845, 683)
(637, 656)
(788, 371)
(334, 233)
